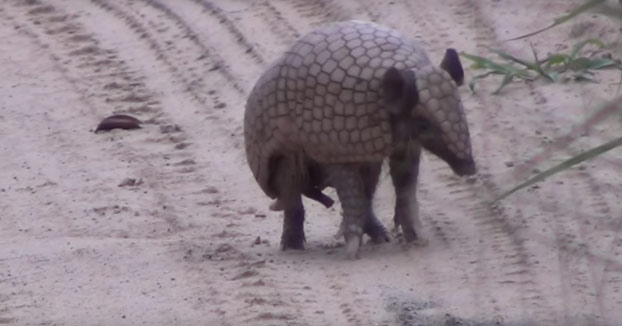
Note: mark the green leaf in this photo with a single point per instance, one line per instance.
(475, 79)
(495, 68)
(603, 63)
(579, 64)
(584, 75)
(538, 66)
(510, 57)
(610, 9)
(584, 63)
(580, 45)
(556, 60)
(551, 68)
(554, 76)
(481, 62)
(565, 165)
(506, 80)
(560, 20)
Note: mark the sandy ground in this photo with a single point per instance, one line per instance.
(193, 241)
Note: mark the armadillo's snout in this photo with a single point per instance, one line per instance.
(459, 158)
(464, 167)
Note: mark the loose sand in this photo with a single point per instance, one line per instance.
(192, 241)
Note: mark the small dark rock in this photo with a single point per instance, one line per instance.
(167, 129)
(246, 274)
(130, 182)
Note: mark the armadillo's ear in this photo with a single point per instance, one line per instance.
(400, 91)
(451, 64)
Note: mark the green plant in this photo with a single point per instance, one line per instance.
(593, 4)
(552, 68)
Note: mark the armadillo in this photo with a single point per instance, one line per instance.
(335, 105)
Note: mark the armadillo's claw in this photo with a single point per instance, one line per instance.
(353, 247)
(341, 231)
(375, 230)
(292, 243)
(353, 235)
(293, 239)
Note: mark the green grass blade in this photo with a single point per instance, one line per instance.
(475, 79)
(603, 63)
(584, 75)
(509, 69)
(506, 80)
(481, 62)
(554, 76)
(579, 64)
(560, 20)
(510, 57)
(583, 63)
(565, 165)
(579, 46)
(538, 65)
(556, 59)
(581, 9)
(611, 10)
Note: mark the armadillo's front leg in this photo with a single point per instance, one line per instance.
(404, 167)
(355, 204)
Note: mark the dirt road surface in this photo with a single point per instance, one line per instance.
(191, 241)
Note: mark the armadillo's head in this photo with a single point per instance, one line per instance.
(425, 106)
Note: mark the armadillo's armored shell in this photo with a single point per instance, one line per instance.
(323, 97)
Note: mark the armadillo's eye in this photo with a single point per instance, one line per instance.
(423, 127)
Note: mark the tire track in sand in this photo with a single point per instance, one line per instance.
(134, 24)
(493, 231)
(104, 83)
(487, 246)
(579, 241)
(232, 29)
(500, 248)
(237, 268)
(278, 24)
(243, 282)
(243, 60)
(100, 79)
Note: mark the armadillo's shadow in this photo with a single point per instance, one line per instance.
(335, 250)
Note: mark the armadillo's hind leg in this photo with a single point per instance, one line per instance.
(373, 227)
(404, 172)
(293, 236)
(355, 204)
(287, 183)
